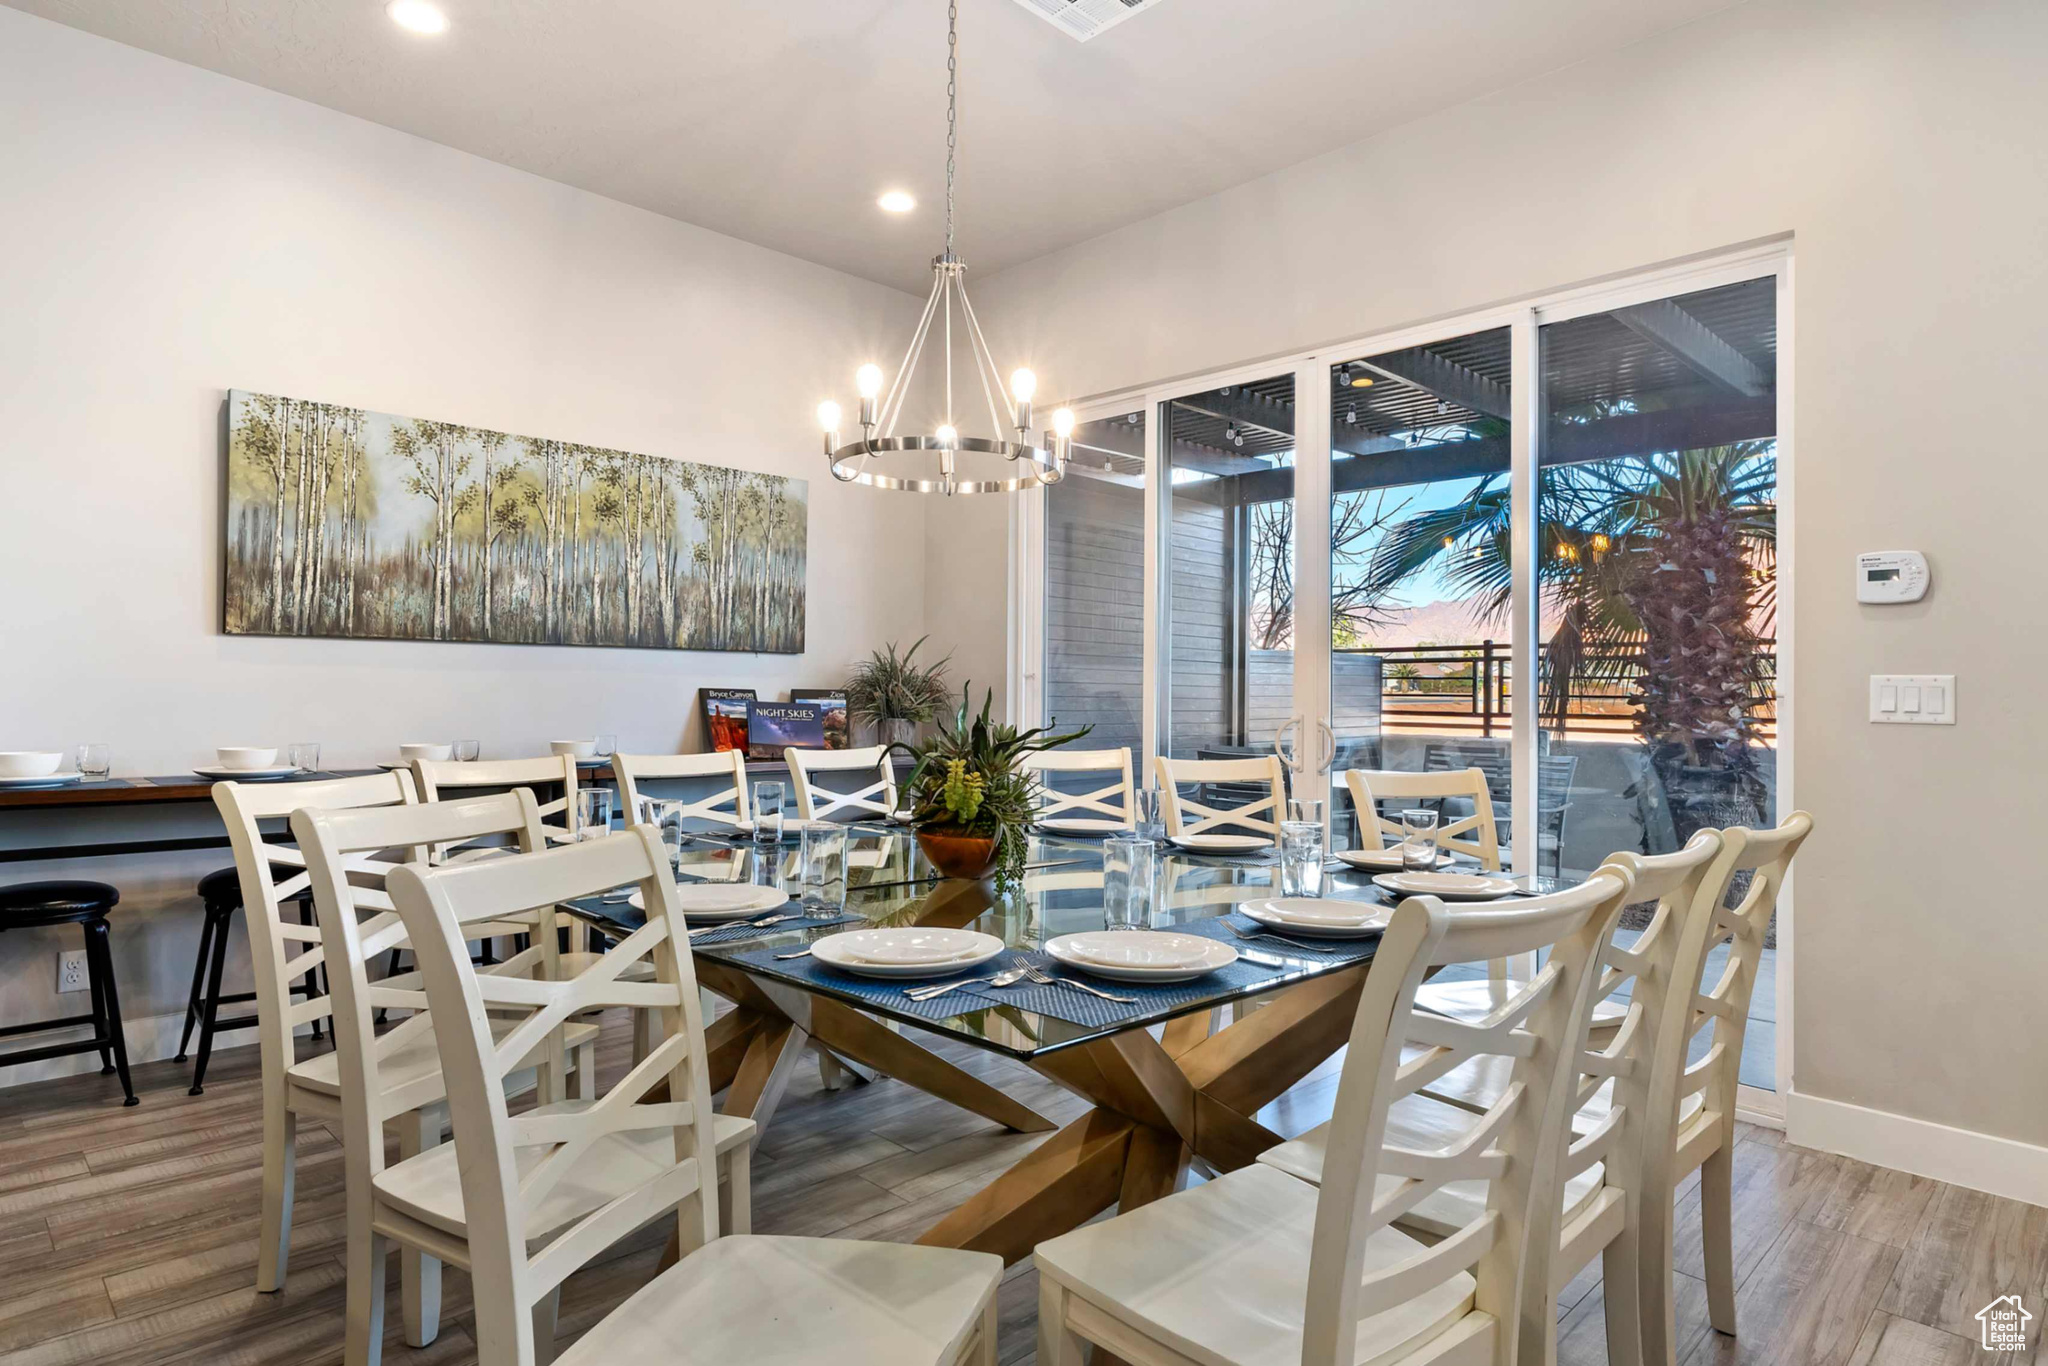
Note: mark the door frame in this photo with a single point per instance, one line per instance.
(1524, 317)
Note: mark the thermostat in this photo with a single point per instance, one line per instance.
(1891, 576)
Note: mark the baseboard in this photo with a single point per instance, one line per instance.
(1961, 1157)
(150, 1039)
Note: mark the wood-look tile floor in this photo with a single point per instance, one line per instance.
(127, 1236)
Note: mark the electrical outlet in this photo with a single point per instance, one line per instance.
(71, 971)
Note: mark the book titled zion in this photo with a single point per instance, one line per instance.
(345, 522)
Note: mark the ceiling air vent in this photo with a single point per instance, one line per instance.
(1084, 19)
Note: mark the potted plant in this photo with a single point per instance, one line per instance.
(894, 695)
(972, 799)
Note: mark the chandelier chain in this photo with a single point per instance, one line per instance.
(952, 109)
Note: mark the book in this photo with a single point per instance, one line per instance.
(773, 727)
(725, 716)
(832, 702)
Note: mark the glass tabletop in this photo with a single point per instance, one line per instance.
(1061, 893)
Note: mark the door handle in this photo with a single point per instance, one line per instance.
(1281, 745)
(1329, 745)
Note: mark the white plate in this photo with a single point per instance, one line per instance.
(712, 902)
(1449, 886)
(1383, 860)
(1141, 955)
(1220, 844)
(907, 952)
(253, 774)
(43, 780)
(1314, 918)
(1098, 826)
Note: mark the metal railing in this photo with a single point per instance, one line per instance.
(1470, 686)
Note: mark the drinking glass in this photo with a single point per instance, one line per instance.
(1418, 841)
(767, 813)
(823, 860)
(1305, 809)
(1147, 814)
(607, 745)
(95, 762)
(305, 757)
(1301, 857)
(466, 751)
(593, 812)
(668, 818)
(1128, 872)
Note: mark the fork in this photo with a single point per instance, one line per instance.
(750, 924)
(1045, 979)
(1243, 933)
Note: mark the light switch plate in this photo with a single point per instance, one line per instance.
(1913, 699)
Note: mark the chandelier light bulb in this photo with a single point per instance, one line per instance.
(1023, 385)
(1063, 423)
(869, 379)
(947, 436)
(828, 415)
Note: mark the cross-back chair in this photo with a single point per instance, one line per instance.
(815, 802)
(1261, 1267)
(526, 1181)
(726, 802)
(1093, 810)
(1691, 1110)
(393, 1079)
(1191, 815)
(1607, 1166)
(282, 951)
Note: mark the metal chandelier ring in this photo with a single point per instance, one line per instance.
(1044, 468)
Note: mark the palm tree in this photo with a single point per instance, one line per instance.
(1660, 570)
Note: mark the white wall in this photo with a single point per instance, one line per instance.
(1902, 144)
(169, 233)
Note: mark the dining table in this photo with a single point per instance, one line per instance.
(1174, 1073)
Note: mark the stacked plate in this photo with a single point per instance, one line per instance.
(1141, 955)
(1384, 860)
(1220, 844)
(1315, 918)
(1449, 886)
(1082, 826)
(913, 951)
(709, 903)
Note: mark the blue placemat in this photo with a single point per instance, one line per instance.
(1086, 1008)
(884, 993)
(746, 929)
(1290, 946)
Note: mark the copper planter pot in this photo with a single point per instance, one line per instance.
(962, 856)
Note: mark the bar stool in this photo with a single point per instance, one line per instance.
(84, 904)
(221, 892)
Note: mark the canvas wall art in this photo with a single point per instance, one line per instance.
(343, 522)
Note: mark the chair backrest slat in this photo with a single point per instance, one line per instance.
(1518, 1146)
(726, 802)
(815, 802)
(1192, 815)
(1093, 805)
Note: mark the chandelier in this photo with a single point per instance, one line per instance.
(1009, 409)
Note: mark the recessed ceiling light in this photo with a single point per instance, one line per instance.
(897, 201)
(417, 16)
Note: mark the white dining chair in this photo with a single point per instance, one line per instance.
(726, 770)
(282, 951)
(1608, 1166)
(524, 1184)
(1190, 815)
(1112, 806)
(815, 802)
(391, 1080)
(440, 779)
(1692, 1107)
(1260, 1268)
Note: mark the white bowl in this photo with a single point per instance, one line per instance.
(28, 763)
(431, 753)
(582, 749)
(246, 756)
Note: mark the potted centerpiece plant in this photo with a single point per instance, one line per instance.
(971, 798)
(895, 695)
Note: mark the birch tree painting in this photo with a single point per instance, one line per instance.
(342, 522)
